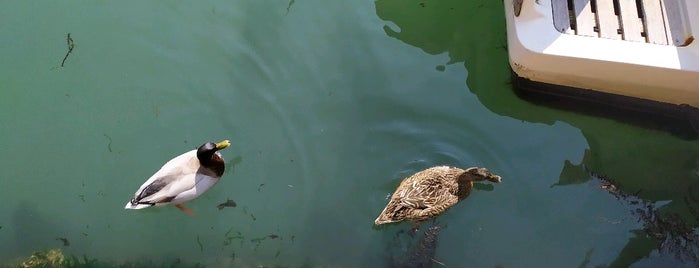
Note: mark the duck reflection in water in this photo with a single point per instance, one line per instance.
(422, 254)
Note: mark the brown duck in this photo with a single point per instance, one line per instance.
(430, 192)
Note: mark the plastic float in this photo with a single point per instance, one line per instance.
(636, 55)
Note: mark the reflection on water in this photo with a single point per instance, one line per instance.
(407, 250)
(662, 230)
(653, 166)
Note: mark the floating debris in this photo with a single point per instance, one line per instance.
(260, 187)
(288, 7)
(259, 239)
(69, 41)
(201, 246)
(228, 203)
(64, 240)
(109, 145)
(273, 236)
(229, 239)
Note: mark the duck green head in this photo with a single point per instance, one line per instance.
(206, 150)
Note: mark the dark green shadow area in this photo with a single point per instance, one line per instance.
(652, 165)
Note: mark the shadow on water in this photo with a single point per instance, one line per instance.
(662, 228)
(407, 251)
(650, 165)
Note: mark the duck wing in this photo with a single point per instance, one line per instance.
(425, 198)
(176, 176)
(165, 188)
(423, 193)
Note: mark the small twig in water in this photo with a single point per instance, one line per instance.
(289, 6)
(109, 145)
(69, 41)
(438, 262)
(201, 246)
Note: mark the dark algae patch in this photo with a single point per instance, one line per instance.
(64, 240)
(228, 203)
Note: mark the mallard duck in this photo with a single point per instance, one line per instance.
(182, 179)
(430, 192)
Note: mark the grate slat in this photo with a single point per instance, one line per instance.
(651, 21)
(631, 23)
(584, 18)
(608, 22)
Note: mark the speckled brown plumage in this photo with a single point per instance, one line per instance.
(431, 192)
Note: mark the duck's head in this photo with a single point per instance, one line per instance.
(207, 150)
(481, 174)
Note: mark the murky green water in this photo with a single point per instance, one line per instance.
(328, 105)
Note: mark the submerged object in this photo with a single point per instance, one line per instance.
(422, 254)
(182, 179)
(64, 240)
(431, 192)
(228, 203)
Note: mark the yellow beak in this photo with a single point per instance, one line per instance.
(223, 144)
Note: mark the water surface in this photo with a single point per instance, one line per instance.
(328, 105)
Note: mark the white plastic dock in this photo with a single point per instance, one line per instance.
(643, 49)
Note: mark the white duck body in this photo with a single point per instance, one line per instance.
(180, 180)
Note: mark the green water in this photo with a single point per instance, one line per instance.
(328, 105)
